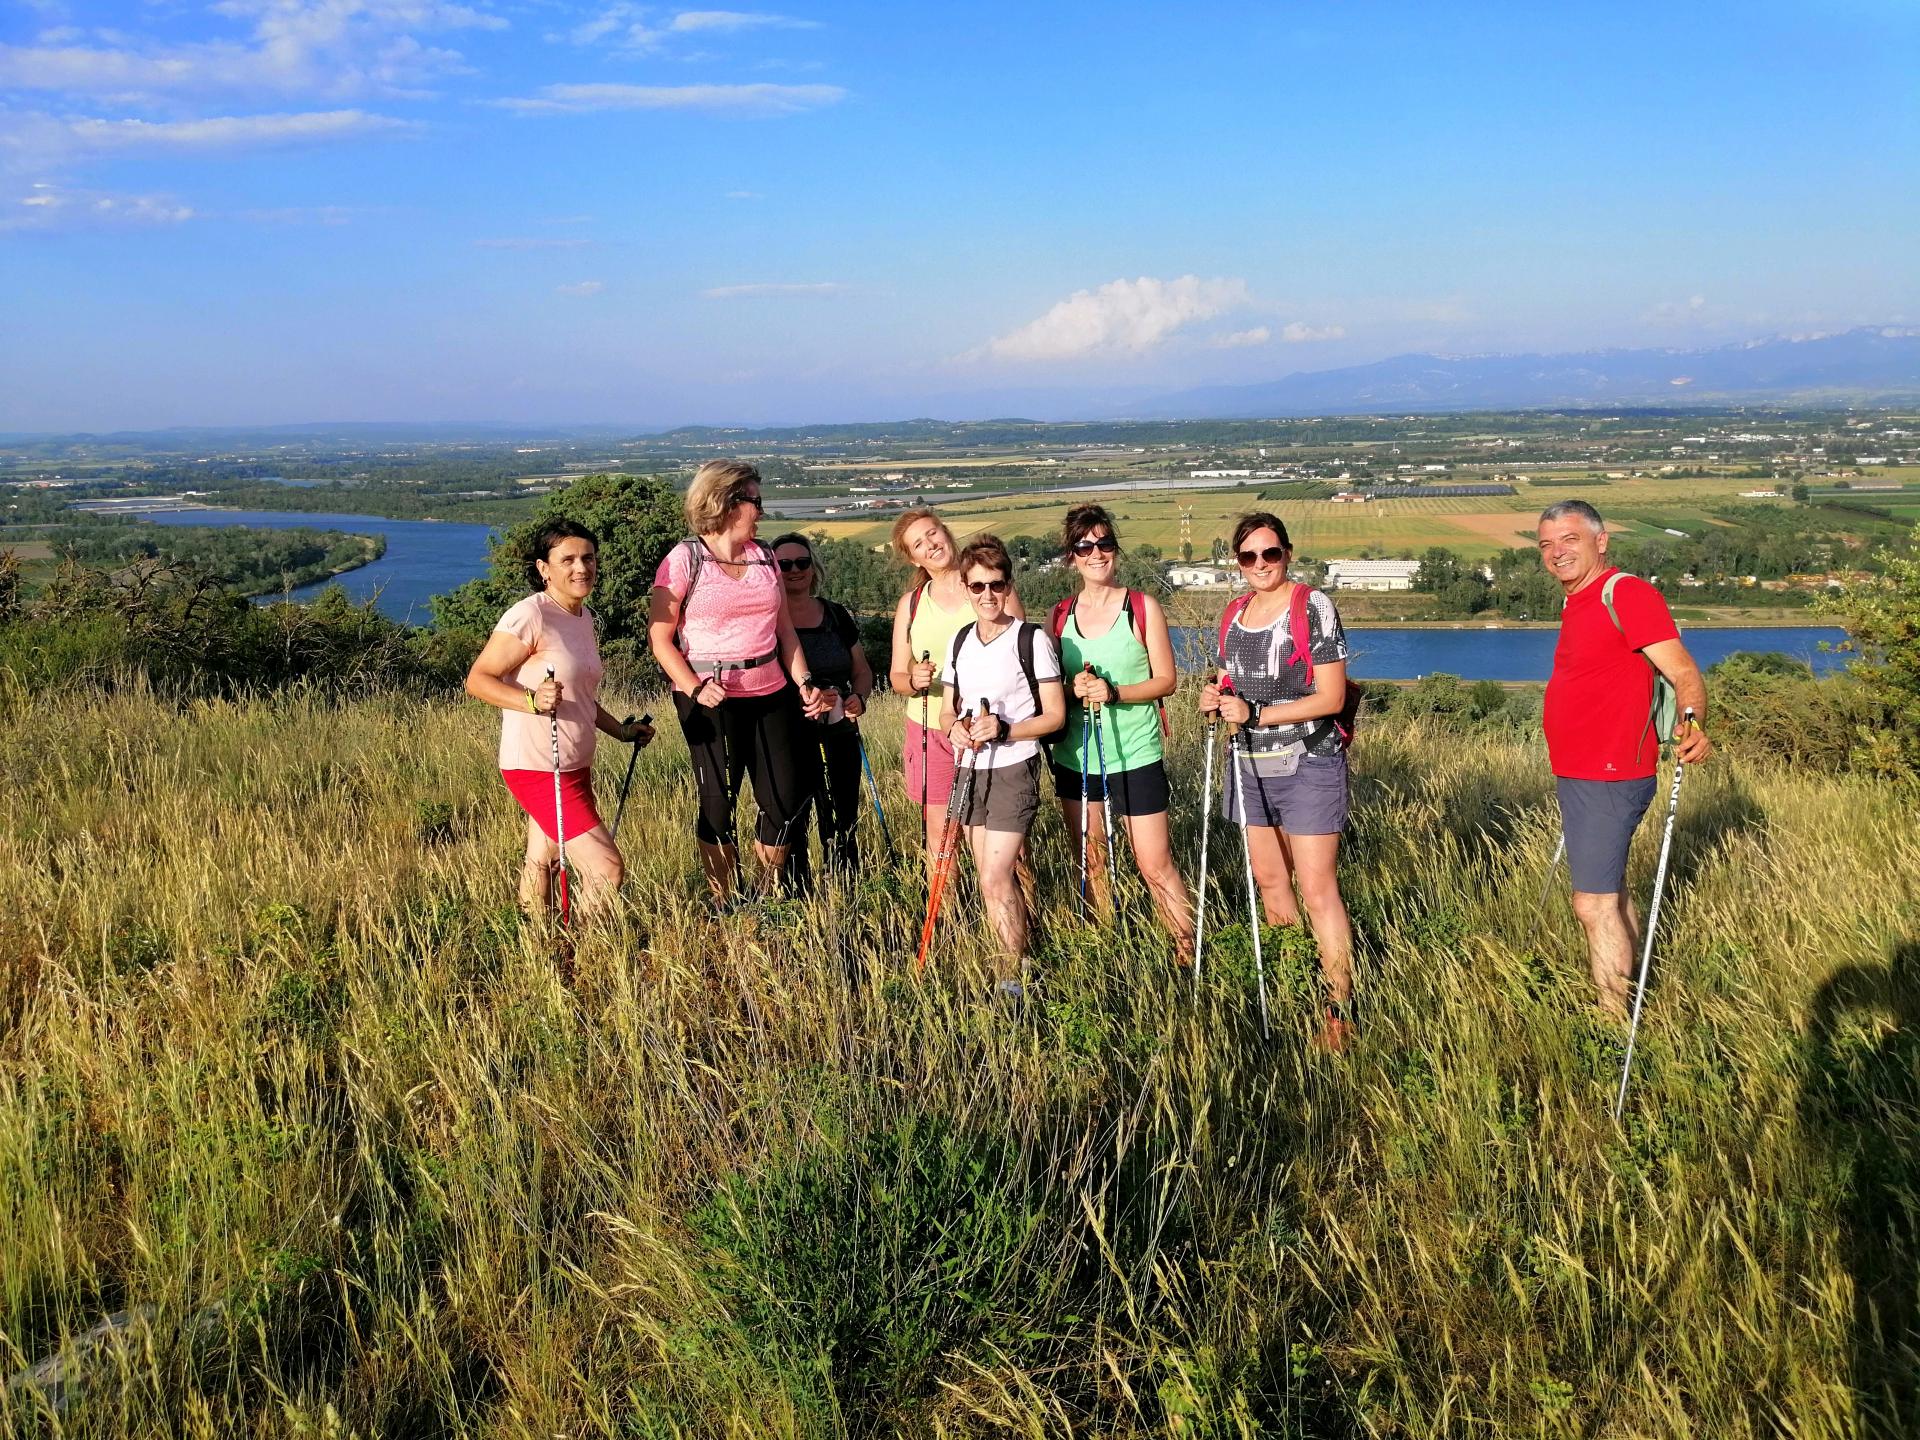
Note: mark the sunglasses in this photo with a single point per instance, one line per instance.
(753, 500)
(1273, 555)
(998, 587)
(1106, 545)
(804, 562)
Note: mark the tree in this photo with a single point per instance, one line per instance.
(637, 519)
(1881, 615)
(1439, 569)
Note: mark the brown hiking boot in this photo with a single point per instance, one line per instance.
(1335, 1033)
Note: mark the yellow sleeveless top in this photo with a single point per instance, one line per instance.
(931, 632)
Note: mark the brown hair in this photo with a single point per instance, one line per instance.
(1082, 521)
(794, 537)
(715, 491)
(908, 519)
(1259, 520)
(988, 552)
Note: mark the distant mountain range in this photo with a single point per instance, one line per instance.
(1864, 364)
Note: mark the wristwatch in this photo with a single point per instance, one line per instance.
(1005, 729)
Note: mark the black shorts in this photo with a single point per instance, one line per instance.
(1139, 791)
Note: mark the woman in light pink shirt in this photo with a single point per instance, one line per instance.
(542, 664)
(718, 626)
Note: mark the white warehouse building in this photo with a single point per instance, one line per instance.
(1371, 574)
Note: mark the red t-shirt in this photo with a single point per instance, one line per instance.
(1602, 686)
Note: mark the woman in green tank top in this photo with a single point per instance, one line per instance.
(1118, 655)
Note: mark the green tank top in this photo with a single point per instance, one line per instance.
(931, 632)
(1129, 732)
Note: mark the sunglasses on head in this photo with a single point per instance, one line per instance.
(1106, 545)
(1273, 555)
(800, 562)
(753, 500)
(998, 587)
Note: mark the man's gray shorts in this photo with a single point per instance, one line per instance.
(1598, 817)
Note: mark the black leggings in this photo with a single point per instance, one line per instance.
(839, 797)
(757, 735)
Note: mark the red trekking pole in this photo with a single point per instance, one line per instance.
(958, 803)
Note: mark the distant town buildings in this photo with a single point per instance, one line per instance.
(1182, 576)
(1371, 574)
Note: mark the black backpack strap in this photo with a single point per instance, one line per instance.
(842, 622)
(953, 662)
(1026, 643)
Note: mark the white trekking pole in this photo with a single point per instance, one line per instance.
(1206, 816)
(1238, 754)
(1653, 925)
(559, 812)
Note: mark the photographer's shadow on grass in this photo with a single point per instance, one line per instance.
(1860, 1110)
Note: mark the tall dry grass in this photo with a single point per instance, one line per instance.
(289, 1090)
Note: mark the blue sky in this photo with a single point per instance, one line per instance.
(261, 211)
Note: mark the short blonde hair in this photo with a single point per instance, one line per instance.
(715, 491)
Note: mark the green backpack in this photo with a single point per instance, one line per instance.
(1663, 716)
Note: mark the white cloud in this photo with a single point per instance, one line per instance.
(326, 47)
(1240, 339)
(747, 292)
(748, 100)
(1678, 312)
(582, 291)
(1298, 332)
(1122, 317)
(689, 20)
(30, 141)
(532, 242)
(45, 206)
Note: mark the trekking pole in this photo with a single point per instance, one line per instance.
(1106, 796)
(1086, 732)
(1243, 751)
(958, 803)
(1653, 924)
(627, 784)
(1546, 883)
(1206, 815)
(559, 811)
(926, 775)
(873, 785)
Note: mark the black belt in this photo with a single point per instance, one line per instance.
(720, 667)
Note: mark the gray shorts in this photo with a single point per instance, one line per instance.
(1006, 797)
(1311, 801)
(1598, 817)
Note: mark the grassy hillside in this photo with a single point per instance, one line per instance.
(287, 1086)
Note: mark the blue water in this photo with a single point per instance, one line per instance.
(428, 557)
(424, 557)
(1483, 654)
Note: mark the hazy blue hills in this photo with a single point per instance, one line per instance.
(1863, 364)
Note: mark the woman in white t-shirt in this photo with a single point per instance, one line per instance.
(542, 663)
(1004, 673)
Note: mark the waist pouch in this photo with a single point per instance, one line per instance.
(1278, 764)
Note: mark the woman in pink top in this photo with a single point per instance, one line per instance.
(718, 626)
(542, 663)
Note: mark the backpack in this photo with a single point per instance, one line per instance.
(1136, 612)
(1348, 717)
(1025, 642)
(1663, 713)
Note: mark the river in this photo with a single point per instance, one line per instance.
(428, 557)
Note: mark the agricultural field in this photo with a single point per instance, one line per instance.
(1474, 526)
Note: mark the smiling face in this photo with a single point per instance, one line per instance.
(796, 570)
(929, 546)
(744, 518)
(990, 598)
(1573, 550)
(1268, 570)
(1096, 566)
(570, 569)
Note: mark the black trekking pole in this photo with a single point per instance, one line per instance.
(926, 778)
(1653, 923)
(627, 784)
(559, 810)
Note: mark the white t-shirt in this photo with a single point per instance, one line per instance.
(992, 672)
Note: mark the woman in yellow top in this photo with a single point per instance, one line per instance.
(925, 621)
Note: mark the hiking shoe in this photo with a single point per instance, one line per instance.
(1336, 1032)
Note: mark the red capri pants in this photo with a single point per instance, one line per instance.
(534, 790)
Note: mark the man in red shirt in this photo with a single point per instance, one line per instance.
(1600, 737)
